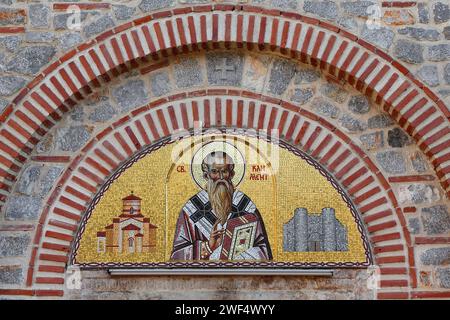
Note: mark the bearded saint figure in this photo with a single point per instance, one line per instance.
(203, 220)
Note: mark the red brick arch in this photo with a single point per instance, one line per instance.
(350, 166)
(337, 53)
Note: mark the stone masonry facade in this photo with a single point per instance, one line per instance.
(363, 87)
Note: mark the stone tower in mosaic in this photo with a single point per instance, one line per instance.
(314, 232)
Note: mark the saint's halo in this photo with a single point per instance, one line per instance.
(215, 146)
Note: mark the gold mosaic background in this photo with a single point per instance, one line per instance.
(291, 183)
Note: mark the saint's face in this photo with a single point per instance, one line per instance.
(219, 171)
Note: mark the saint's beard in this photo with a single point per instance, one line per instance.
(220, 195)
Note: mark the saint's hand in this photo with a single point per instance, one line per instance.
(216, 237)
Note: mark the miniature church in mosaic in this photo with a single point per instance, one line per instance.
(130, 232)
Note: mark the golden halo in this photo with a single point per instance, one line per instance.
(213, 146)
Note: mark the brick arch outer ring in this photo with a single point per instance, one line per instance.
(369, 190)
(337, 53)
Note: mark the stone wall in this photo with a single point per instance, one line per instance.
(415, 34)
(99, 285)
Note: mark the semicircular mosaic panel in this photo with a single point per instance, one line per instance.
(221, 200)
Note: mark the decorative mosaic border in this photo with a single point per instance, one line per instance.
(219, 264)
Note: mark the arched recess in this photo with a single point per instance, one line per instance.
(336, 52)
(334, 150)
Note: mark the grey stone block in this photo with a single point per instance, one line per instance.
(31, 59)
(11, 275)
(436, 256)
(60, 20)
(281, 74)
(418, 162)
(3, 104)
(187, 72)
(439, 52)
(39, 37)
(46, 144)
(122, 12)
(414, 225)
(130, 95)
(325, 108)
(12, 16)
(380, 121)
(48, 180)
(98, 26)
(391, 161)
(10, 43)
(72, 138)
(77, 114)
(359, 104)
(39, 15)
(444, 92)
(348, 23)
(38, 180)
(102, 112)
(420, 33)
(429, 75)
(436, 219)
(419, 193)
(358, 8)
(69, 40)
(424, 14)
(379, 36)
(441, 12)
(325, 9)
(14, 245)
(285, 4)
(352, 124)
(10, 85)
(334, 92)
(2, 62)
(447, 73)
(160, 83)
(224, 68)
(28, 179)
(446, 33)
(302, 96)
(23, 208)
(306, 76)
(373, 140)
(151, 5)
(409, 51)
(397, 138)
(443, 275)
